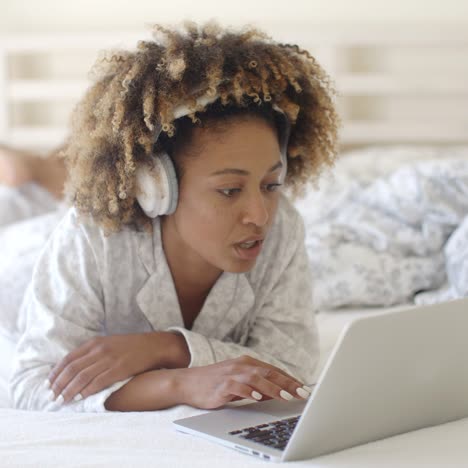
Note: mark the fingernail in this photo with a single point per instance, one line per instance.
(302, 393)
(256, 395)
(78, 397)
(46, 384)
(307, 389)
(286, 395)
(51, 395)
(60, 400)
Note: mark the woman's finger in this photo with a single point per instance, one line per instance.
(275, 385)
(264, 386)
(239, 390)
(67, 360)
(283, 373)
(103, 380)
(289, 387)
(82, 367)
(297, 390)
(79, 386)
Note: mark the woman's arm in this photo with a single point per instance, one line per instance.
(105, 360)
(150, 391)
(63, 308)
(206, 387)
(173, 347)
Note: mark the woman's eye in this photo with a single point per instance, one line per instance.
(229, 192)
(273, 187)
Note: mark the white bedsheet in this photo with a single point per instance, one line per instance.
(31, 439)
(149, 439)
(384, 243)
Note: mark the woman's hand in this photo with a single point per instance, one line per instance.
(212, 386)
(105, 360)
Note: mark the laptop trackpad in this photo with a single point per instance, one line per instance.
(278, 408)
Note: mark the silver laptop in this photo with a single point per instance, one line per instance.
(389, 373)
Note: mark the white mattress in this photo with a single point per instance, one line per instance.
(149, 439)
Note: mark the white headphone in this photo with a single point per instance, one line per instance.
(157, 189)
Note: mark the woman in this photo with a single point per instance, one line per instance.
(180, 274)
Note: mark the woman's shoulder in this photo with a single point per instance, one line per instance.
(81, 248)
(78, 232)
(72, 220)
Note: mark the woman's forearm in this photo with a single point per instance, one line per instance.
(154, 390)
(170, 349)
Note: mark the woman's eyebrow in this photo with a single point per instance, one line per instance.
(273, 168)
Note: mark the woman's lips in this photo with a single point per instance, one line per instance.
(249, 254)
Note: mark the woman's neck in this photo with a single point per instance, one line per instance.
(192, 275)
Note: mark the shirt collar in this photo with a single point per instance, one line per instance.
(227, 303)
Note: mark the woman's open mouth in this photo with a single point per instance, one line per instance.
(248, 250)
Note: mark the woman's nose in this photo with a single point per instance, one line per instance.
(256, 210)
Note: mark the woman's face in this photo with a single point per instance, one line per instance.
(228, 196)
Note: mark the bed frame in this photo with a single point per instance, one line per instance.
(396, 84)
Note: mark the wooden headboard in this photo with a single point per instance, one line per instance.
(396, 84)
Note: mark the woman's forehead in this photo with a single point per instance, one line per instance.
(241, 144)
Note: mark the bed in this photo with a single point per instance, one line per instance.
(392, 156)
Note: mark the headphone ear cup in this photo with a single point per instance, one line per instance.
(157, 189)
(170, 183)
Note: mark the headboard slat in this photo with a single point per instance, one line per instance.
(370, 92)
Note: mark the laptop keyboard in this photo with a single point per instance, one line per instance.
(275, 434)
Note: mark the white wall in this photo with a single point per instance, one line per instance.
(60, 15)
(394, 61)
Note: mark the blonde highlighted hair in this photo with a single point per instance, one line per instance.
(135, 93)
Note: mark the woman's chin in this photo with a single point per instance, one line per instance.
(240, 266)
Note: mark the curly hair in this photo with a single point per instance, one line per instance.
(134, 95)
